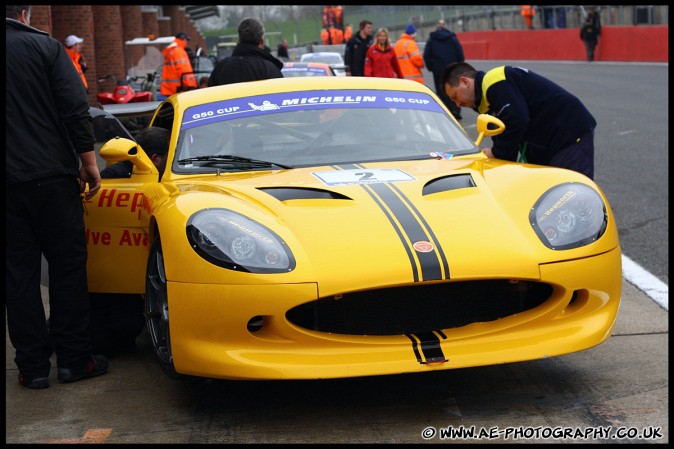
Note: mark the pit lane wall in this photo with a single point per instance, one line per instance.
(617, 43)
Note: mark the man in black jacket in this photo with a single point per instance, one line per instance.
(545, 123)
(589, 34)
(282, 50)
(48, 134)
(356, 49)
(249, 61)
(443, 48)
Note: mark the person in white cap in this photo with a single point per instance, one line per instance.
(409, 57)
(74, 48)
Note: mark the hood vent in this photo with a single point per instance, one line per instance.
(295, 193)
(448, 183)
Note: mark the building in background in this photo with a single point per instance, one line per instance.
(106, 29)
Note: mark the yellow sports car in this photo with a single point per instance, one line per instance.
(335, 227)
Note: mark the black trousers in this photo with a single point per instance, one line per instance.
(589, 49)
(46, 217)
(578, 155)
(440, 92)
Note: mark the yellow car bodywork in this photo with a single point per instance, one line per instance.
(361, 243)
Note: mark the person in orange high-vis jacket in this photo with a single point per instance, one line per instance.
(336, 35)
(73, 46)
(528, 12)
(348, 33)
(325, 37)
(339, 16)
(410, 59)
(332, 35)
(177, 73)
(333, 15)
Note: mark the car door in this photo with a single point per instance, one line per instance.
(116, 222)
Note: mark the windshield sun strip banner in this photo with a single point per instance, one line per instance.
(303, 100)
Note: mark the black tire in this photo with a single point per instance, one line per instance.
(156, 310)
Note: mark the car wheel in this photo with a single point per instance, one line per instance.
(156, 309)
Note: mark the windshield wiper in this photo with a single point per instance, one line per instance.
(233, 159)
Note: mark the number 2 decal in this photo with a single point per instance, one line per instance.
(363, 176)
(367, 176)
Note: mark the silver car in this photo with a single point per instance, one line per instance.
(334, 59)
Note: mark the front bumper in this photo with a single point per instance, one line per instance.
(216, 332)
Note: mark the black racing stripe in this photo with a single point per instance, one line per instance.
(415, 348)
(429, 262)
(430, 265)
(436, 243)
(408, 249)
(399, 232)
(430, 346)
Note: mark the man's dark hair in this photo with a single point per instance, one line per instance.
(14, 11)
(154, 140)
(454, 71)
(363, 24)
(251, 31)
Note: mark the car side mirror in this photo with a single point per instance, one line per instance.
(121, 149)
(487, 126)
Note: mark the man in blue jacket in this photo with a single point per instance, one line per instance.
(545, 124)
(443, 48)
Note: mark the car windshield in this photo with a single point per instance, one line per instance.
(323, 57)
(311, 128)
(202, 64)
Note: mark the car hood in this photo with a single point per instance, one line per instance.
(396, 223)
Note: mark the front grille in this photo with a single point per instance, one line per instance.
(419, 308)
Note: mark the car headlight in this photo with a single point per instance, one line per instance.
(234, 241)
(569, 216)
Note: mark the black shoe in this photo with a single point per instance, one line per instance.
(35, 383)
(96, 366)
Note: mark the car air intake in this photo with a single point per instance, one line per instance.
(419, 308)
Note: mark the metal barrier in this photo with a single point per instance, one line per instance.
(467, 18)
(504, 17)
